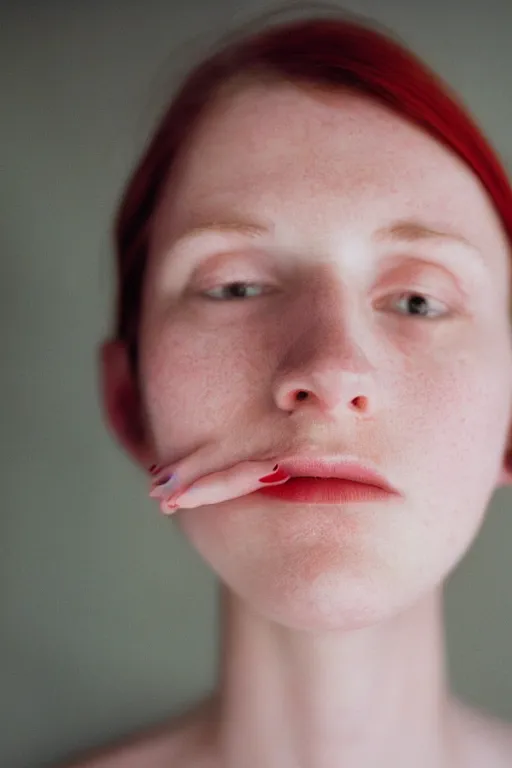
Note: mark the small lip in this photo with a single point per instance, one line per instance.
(344, 469)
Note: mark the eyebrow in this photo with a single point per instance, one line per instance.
(241, 226)
(410, 231)
(402, 230)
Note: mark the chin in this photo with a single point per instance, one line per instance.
(307, 572)
(332, 603)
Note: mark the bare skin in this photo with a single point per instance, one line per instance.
(332, 634)
(188, 742)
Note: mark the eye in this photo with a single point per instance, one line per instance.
(234, 290)
(412, 302)
(420, 304)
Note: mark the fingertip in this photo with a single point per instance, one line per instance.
(167, 509)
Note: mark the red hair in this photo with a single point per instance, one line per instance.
(328, 52)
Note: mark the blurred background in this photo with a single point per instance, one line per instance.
(108, 619)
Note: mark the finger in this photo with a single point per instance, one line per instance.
(206, 460)
(240, 480)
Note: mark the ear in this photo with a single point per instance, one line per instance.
(122, 407)
(505, 476)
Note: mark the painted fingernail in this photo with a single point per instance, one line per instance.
(164, 486)
(276, 475)
(163, 480)
(154, 469)
(167, 508)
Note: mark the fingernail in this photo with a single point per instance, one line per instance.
(164, 479)
(164, 486)
(275, 476)
(167, 508)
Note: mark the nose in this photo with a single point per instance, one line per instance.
(331, 392)
(326, 369)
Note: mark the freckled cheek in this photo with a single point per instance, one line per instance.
(457, 426)
(206, 378)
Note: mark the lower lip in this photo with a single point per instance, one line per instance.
(329, 490)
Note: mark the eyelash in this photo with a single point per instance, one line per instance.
(243, 283)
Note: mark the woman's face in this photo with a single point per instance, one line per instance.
(329, 311)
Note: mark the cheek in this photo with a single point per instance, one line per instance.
(454, 423)
(194, 381)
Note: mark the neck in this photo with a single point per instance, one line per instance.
(375, 696)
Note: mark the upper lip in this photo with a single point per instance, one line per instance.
(344, 469)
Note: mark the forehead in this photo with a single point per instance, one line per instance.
(307, 157)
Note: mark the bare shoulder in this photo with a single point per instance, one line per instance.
(485, 741)
(182, 741)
